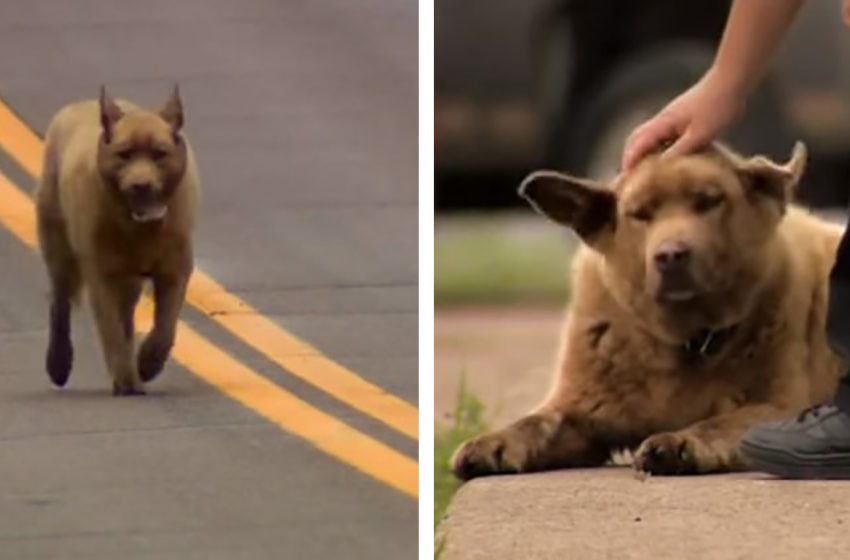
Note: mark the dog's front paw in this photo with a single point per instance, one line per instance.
(152, 356)
(60, 358)
(127, 388)
(503, 452)
(669, 454)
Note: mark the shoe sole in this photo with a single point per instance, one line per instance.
(787, 464)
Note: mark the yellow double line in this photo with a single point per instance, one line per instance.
(213, 365)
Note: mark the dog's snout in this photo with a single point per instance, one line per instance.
(672, 255)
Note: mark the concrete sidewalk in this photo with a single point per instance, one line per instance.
(611, 514)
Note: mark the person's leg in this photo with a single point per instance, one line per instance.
(837, 320)
(817, 443)
(838, 315)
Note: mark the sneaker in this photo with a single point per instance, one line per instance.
(814, 445)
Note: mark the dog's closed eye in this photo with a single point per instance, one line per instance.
(126, 154)
(642, 214)
(704, 202)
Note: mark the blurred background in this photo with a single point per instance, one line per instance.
(560, 84)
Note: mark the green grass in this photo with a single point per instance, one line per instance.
(500, 260)
(468, 422)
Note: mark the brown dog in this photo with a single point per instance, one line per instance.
(116, 204)
(698, 310)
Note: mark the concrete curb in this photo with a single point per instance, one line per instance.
(611, 514)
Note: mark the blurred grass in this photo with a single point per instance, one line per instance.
(500, 259)
(468, 422)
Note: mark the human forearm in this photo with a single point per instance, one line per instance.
(753, 32)
(701, 114)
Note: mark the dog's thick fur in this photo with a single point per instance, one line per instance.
(116, 205)
(678, 374)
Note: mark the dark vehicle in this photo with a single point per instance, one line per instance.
(560, 83)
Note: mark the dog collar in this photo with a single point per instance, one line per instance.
(707, 343)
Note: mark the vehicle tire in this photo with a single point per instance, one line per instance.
(589, 138)
(555, 69)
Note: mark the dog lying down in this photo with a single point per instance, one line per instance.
(698, 311)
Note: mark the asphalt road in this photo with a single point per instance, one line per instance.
(304, 118)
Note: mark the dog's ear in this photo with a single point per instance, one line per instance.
(777, 181)
(110, 113)
(587, 207)
(172, 111)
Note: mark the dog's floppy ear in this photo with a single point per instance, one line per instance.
(172, 111)
(587, 207)
(110, 113)
(766, 177)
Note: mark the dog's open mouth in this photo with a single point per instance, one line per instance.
(149, 213)
(677, 288)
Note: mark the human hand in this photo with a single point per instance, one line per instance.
(690, 121)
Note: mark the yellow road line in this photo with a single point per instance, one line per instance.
(219, 369)
(20, 141)
(234, 314)
(298, 357)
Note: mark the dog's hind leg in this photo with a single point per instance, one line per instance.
(546, 439)
(62, 269)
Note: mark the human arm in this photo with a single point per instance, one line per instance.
(753, 31)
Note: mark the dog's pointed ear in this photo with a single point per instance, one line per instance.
(587, 207)
(777, 181)
(110, 113)
(172, 111)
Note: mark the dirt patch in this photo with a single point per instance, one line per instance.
(506, 355)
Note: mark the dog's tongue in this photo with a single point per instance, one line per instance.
(150, 214)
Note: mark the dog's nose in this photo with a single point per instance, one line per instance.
(672, 255)
(141, 190)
